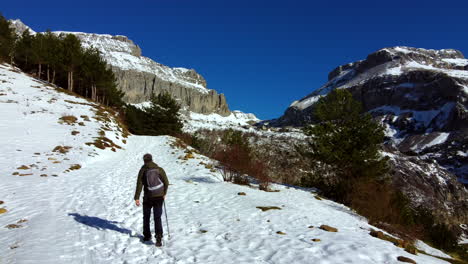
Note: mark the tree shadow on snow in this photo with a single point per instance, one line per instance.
(100, 224)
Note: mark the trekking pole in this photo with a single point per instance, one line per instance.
(167, 221)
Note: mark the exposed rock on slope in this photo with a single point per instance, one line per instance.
(421, 96)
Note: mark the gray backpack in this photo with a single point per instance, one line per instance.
(155, 185)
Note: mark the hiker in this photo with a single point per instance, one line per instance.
(154, 180)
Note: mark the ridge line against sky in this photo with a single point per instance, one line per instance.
(261, 54)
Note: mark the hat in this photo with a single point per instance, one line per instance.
(147, 157)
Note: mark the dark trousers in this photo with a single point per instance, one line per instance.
(155, 203)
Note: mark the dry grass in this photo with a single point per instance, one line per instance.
(74, 132)
(23, 167)
(61, 149)
(75, 167)
(103, 143)
(67, 119)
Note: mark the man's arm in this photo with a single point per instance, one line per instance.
(165, 180)
(139, 185)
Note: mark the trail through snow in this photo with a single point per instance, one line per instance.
(89, 216)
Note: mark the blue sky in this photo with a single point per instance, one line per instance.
(261, 54)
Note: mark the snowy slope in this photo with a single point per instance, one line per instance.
(88, 215)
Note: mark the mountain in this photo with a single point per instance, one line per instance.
(421, 97)
(68, 177)
(139, 76)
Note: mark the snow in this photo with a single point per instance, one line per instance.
(430, 250)
(458, 61)
(304, 103)
(423, 117)
(88, 215)
(237, 119)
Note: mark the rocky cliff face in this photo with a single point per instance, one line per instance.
(140, 77)
(421, 97)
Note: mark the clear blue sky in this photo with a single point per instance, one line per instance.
(261, 54)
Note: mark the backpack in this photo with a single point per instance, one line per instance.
(155, 185)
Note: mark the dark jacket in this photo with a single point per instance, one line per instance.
(142, 183)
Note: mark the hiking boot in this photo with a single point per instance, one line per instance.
(159, 241)
(146, 239)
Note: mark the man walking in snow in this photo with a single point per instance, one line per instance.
(153, 180)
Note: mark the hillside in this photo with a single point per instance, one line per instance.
(421, 98)
(88, 215)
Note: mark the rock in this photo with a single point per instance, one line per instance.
(266, 208)
(405, 259)
(12, 226)
(328, 228)
(241, 193)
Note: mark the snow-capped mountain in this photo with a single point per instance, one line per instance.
(421, 97)
(68, 178)
(139, 76)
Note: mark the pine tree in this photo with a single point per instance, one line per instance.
(346, 141)
(7, 40)
(72, 55)
(24, 50)
(164, 115)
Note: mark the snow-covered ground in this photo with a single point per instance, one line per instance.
(236, 120)
(88, 215)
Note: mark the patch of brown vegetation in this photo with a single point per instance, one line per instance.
(311, 227)
(266, 208)
(203, 231)
(75, 167)
(103, 143)
(1, 202)
(241, 193)
(23, 167)
(22, 221)
(12, 226)
(26, 174)
(3, 210)
(317, 197)
(15, 173)
(81, 124)
(61, 149)
(78, 103)
(74, 132)
(280, 233)
(316, 240)
(43, 175)
(68, 119)
(85, 118)
(407, 245)
(56, 162)
(328, 228)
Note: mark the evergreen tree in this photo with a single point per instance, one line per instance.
(346, 142)
(164, 115)
(72, 55)
(7, 40)
(24, 50)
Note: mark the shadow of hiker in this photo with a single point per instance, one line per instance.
(100, 224)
